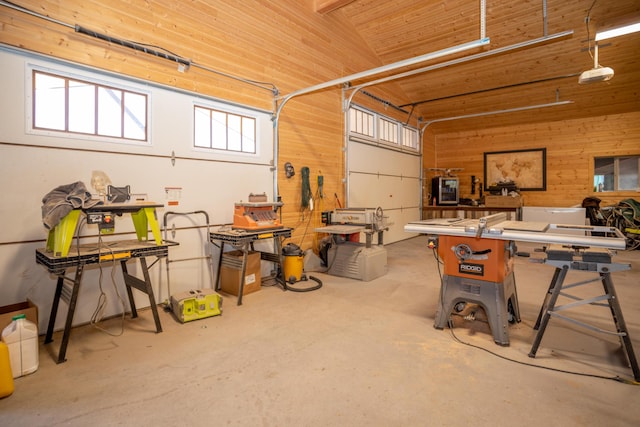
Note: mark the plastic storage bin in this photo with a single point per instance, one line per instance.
(21, 336)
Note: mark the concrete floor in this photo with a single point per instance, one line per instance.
(350, 354)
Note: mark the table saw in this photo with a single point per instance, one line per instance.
(478, 267)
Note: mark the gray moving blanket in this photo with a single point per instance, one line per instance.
(63, 199)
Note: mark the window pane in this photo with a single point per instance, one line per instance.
(234, 140)
(230, 132)
(357, 124)
(135, 116)
(603, 174)
(49, 99)
(109, 112)
(628, 173)
(410, 138)
(248, 135)
(82, 107)
(202, 131)
(352, 119)
(361, 122)
(382, 129)
(218, 130)
(75, 106)
(388, 130)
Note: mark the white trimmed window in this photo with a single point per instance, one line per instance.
(388, 130)
(410, 138)
(616, 173)
(375, 128)
(70, 105)
(222, 130)
(361, 122)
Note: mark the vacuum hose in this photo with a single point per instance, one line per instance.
(304, 278)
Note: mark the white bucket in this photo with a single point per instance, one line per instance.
(21, 336)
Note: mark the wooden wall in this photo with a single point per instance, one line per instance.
(285, 43)
(290, 45)
(571, 147)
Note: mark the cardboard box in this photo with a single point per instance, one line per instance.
(8, 311)
(230, 273)
(502, 201)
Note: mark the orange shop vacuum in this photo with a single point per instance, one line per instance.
(293, 270)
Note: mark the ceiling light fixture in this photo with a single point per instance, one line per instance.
(628, 29)
(598, 73)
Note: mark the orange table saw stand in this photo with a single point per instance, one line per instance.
(480, 271)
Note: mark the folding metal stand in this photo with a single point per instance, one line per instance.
(600, 263)
(68, 288)
(244, 240)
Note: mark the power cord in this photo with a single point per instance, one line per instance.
(98, 313)
(453, 335)
(616, 378)
(308, 220)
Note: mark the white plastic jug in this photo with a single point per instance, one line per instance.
(21, 336)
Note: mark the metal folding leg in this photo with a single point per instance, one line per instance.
(143, 286)
(621, 326)
(554, 279)
(70, 294)
(549, 307)
(235, 264)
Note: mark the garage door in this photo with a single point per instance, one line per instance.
(383, 169)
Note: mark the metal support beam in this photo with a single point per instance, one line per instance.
(460, 61)
(360, 75)
(490, 113)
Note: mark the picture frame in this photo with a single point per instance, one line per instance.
(526, 168)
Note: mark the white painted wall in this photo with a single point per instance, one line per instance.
(32, 164)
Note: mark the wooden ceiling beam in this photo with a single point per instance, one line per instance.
(326, 6)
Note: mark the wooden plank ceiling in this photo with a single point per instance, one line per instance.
(401, 29)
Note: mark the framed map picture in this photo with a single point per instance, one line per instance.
(526, 168)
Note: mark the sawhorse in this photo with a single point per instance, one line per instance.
(591, 261)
